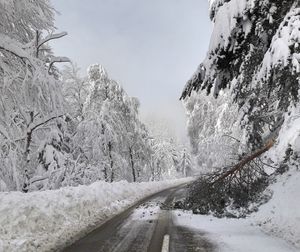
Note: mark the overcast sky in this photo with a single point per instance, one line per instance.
(151, 47)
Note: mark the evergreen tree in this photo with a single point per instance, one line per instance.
(253, 55)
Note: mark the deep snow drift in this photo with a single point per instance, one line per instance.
(45, 220)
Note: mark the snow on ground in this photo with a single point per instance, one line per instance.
(281, 215)
(45, 220)
(232, 235)
(275, 227)
(149, 211)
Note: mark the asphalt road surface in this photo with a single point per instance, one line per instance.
(145, 227)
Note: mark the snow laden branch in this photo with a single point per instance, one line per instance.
(15, 48)
(57, 60)
(35, 126)
(40, 43)
(51, 37)
(4, 133)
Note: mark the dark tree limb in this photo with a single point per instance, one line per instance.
(239, 166)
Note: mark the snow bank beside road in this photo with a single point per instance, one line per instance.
(281, 215)
(275, 227)
(232, 235)
(43, 221)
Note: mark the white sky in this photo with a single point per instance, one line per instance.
(151, 47)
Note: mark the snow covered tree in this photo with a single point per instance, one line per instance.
(75, 90)
(185, 165)
(20, 19)
(253, 59)
(136, 140)
(111, 137)
(30, 99)
(253, 51)
(166, 157)
(213, 129)
(63, 129)
(97, 132)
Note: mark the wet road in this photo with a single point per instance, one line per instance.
(145, 227)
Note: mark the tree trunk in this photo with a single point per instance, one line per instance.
(112, 177)
(132, 165)
(183, 164)
(27, 153)
(239, 166)
(105, 174)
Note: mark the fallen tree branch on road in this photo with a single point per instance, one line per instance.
(230, 190)
(246, 160)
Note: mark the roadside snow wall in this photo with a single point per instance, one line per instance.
(46, 220)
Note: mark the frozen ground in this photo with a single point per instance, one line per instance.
(42, 221)
(232, 235)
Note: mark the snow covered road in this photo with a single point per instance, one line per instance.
(150, 226)
(51, 220)
(232, 235)
(144, 227)
(47, 220)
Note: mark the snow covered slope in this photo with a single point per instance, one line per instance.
(280, 217)
(42, 221)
